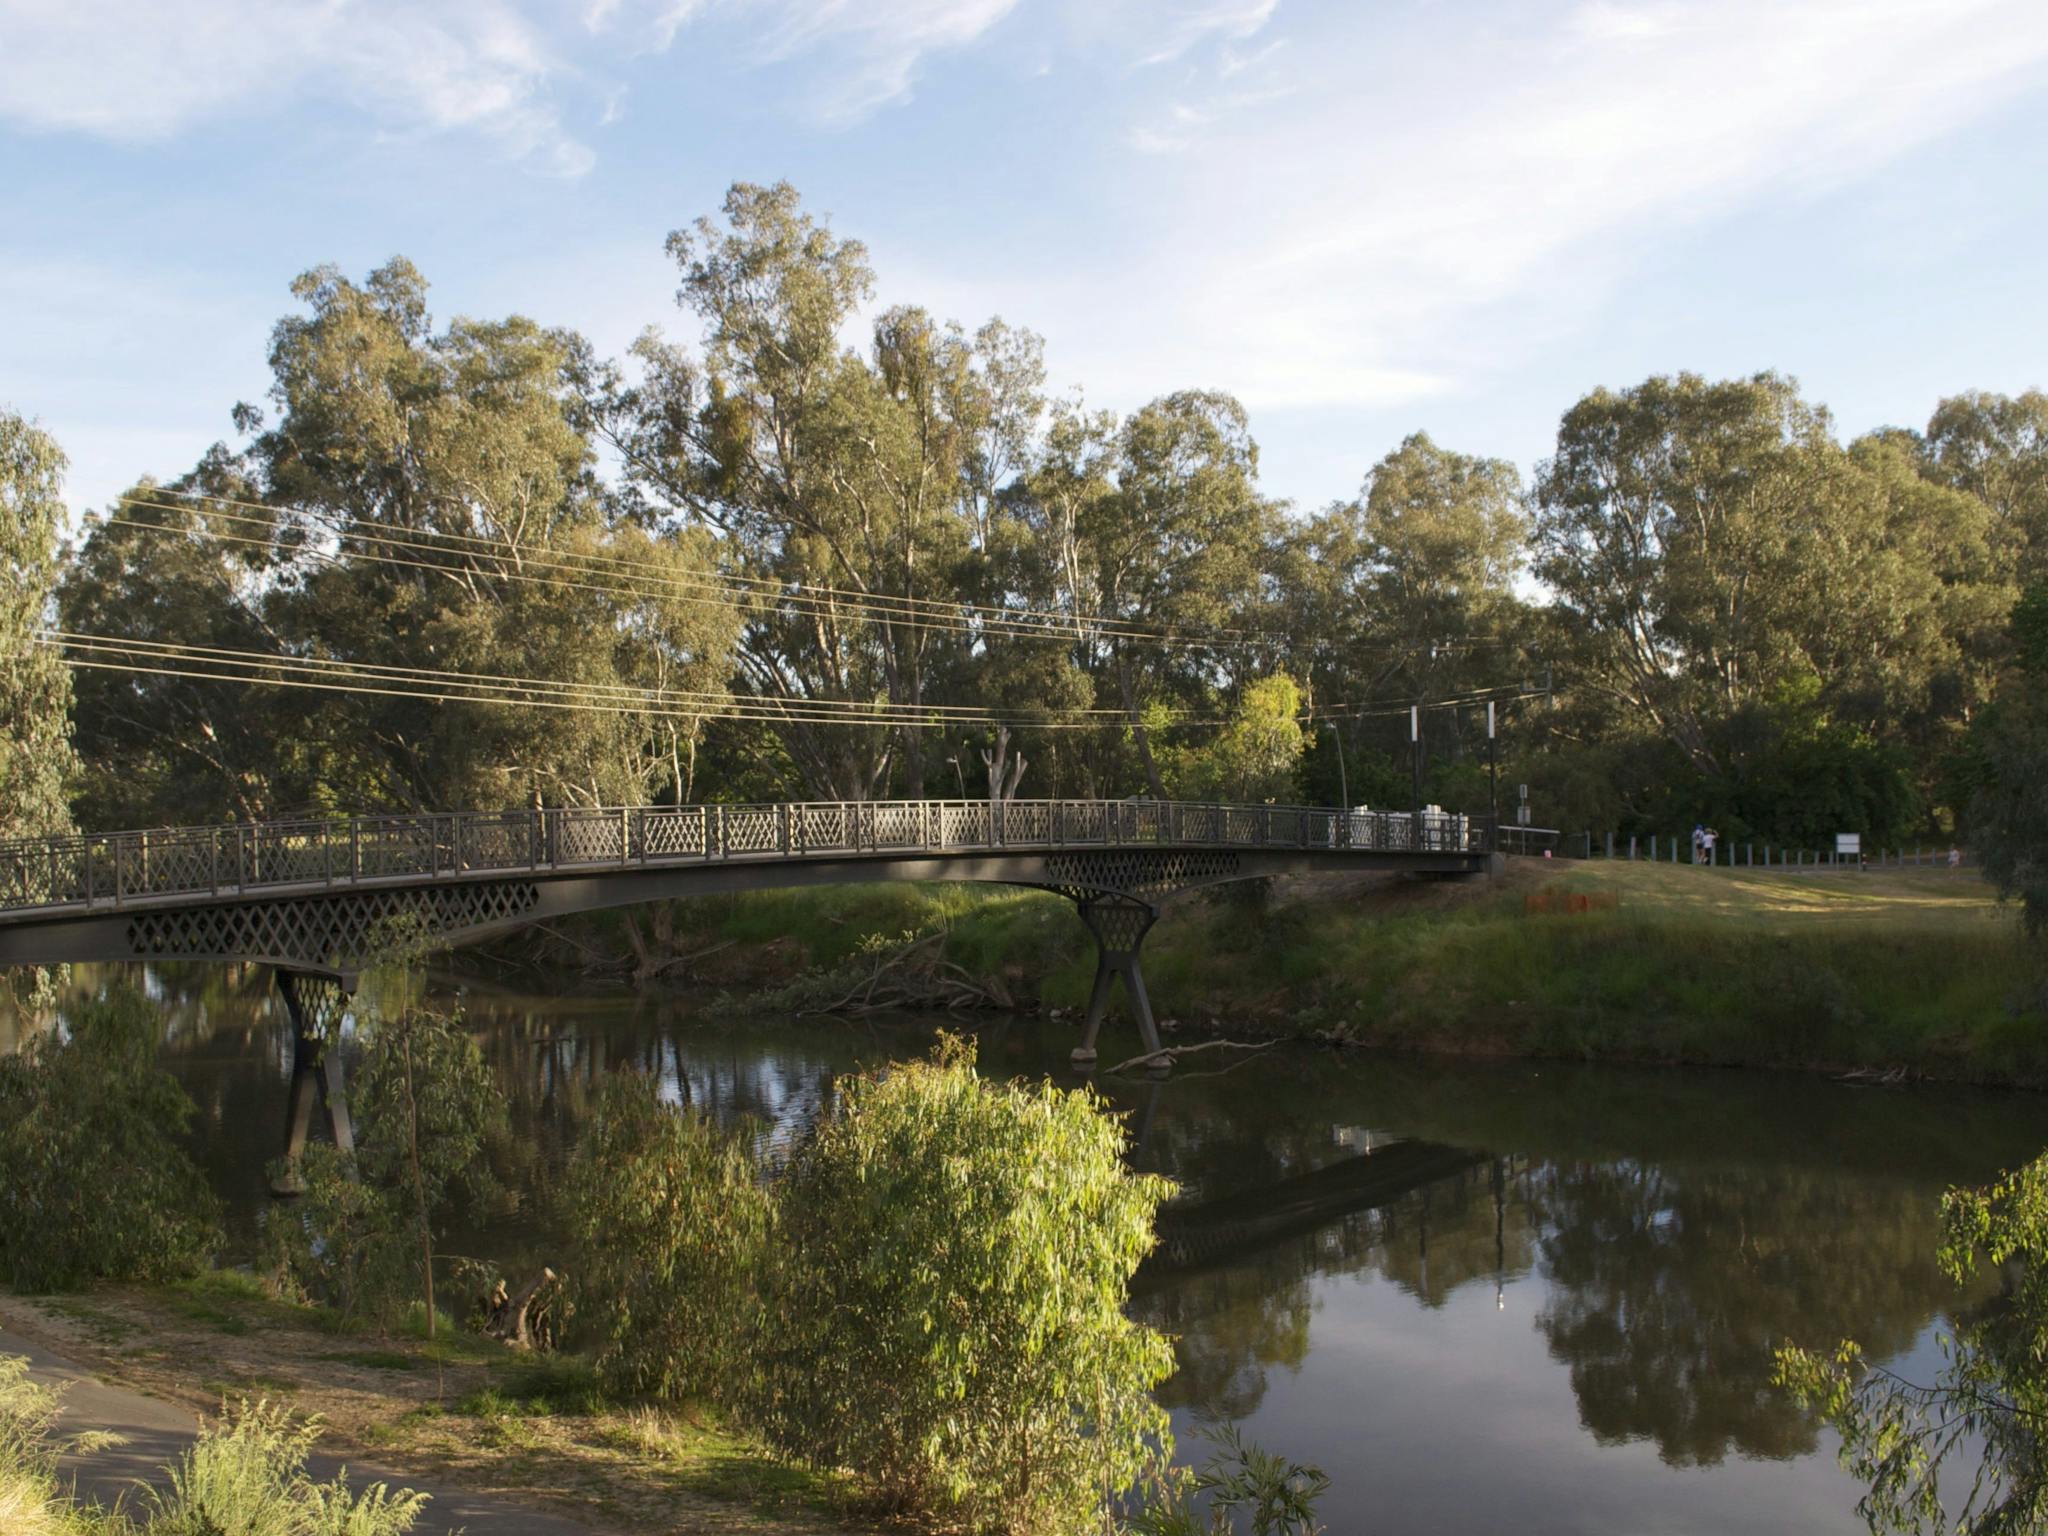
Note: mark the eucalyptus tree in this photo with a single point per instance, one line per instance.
(185, 564)
(1714, 546)
(423, 512)
(36, 758)
(1996, 448)
(1407, 591)
(1159, 539)
(855, 494)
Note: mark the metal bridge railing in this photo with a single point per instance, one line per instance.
(114, 868)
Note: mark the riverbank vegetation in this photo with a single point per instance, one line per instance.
(98, 1183)
(1978, 1425)
(1911, 970)
(921, 1310)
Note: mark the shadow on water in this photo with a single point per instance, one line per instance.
(1484, 1295)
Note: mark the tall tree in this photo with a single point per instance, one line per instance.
(36, 758)
(423, 504)
(1996, 448)
(854, 492)
(1408, 590)
(1712, 541)
(1178, 550)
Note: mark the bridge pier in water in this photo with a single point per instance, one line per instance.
(315, 1004)
(1119, 924)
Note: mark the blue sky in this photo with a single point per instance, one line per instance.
(1363, 218)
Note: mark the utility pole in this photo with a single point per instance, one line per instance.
(1343, 779)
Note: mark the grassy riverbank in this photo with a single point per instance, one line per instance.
(1898, 969)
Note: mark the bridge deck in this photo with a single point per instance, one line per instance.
(181, 866)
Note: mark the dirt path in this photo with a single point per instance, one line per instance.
(148, 1364)
(155, 1433)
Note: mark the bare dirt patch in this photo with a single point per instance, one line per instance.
(464, 1410)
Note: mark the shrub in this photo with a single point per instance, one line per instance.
(670, 1222)
(98, 1184)
(29, 1502)
(1987, 1405)
(424, 1107)
(947, 1309)
(1241, 1488)
(246, 1476)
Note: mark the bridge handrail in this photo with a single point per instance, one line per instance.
(112, 869)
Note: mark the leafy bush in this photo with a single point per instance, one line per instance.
(947, 1309)
(670, 1222)
(98, 1183)
(1241, 1487)
(30, 1504)
(246, 1476)
(1990, 1401)
(424, 1106)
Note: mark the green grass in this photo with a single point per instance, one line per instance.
(697, 1455)
(374, 1359)
(1893, 968)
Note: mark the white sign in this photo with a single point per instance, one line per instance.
(1849, 844)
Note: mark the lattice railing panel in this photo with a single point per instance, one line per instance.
(824, 828)
(752, 829)
(900, 826)
(589, 837)
(340, 932)
(680, 833)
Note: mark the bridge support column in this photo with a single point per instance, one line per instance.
(1119, 924)
(314, 1004)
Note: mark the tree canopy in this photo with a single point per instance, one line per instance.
(809, 547)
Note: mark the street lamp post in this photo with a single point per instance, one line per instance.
(1492, 773)
(1415, 797)
(1343, 779)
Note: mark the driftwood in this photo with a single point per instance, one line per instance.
(1167, 1055)
(524, 1319)
(912, 976)
(1875, 1077)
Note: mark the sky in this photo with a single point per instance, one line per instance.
(1364, 218)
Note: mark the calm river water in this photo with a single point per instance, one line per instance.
(1485, 1297)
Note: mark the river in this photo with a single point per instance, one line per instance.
(1537, 1297)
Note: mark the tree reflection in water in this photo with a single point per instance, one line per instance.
(1670, 1287)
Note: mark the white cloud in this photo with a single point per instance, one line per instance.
(144, 69)
(1424, 193)
(882, 44)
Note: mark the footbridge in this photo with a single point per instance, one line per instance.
(320, 900)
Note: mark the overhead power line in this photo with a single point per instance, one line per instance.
(219, 664)
(226, 664)
(748, 593)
